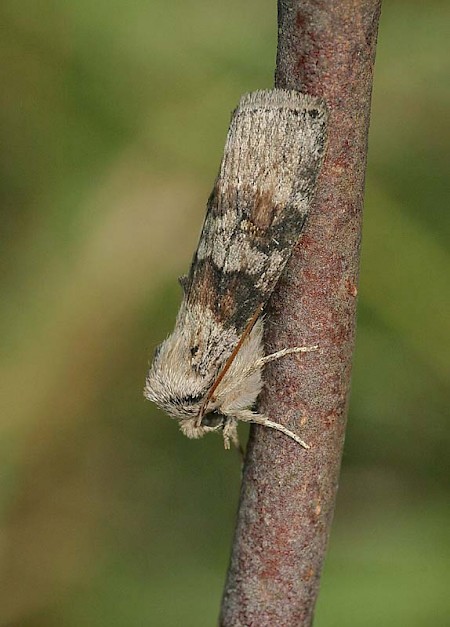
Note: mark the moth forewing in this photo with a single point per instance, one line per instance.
(212, 362)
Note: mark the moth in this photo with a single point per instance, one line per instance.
(208, 373)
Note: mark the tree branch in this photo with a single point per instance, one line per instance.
(288, 494)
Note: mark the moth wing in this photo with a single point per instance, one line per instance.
(259, 203)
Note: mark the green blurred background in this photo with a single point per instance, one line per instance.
(112, 119)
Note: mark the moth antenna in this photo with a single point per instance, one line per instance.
(248, 416)
(220, 376)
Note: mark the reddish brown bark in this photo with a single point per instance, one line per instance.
(325, 48)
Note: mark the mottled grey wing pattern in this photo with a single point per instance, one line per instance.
(259, 203)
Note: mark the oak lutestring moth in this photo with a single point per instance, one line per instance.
(209, 372)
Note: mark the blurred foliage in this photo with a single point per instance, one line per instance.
(112, 122)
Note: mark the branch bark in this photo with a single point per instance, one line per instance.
(288, 494)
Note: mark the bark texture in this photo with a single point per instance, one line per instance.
(325, 48)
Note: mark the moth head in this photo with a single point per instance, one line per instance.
(173, 385)
(186, 366)
(175, 382)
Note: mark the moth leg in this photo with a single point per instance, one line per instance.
(249, 416)
(282, 353)
(230, 433)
